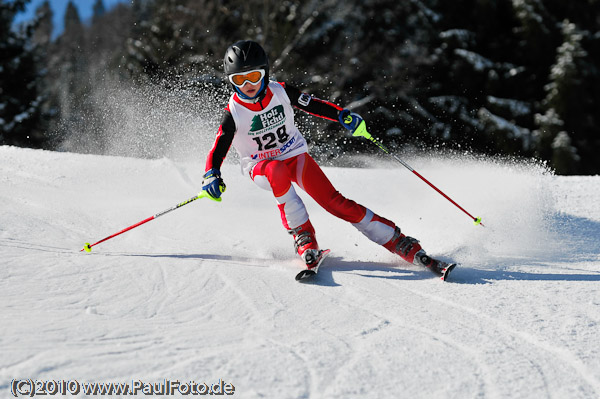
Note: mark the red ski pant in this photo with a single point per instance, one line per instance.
(302, 169)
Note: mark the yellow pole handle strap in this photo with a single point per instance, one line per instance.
(205, 193)
(361, 131)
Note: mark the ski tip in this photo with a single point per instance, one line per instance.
(305, 274)
(308, 273)
(447, 271)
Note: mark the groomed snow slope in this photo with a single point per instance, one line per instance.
(207, 292)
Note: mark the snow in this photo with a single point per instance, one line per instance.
(515, 107)
(207, 292)
(478, 62)
(507, 127)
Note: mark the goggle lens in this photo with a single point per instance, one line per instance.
(241, 78)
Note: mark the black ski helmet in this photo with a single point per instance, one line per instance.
(246, 55)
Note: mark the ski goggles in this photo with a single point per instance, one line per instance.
(240, 79)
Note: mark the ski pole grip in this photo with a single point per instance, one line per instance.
(205, 194)
(361, 131)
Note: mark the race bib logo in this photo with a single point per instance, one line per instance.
(304, 99)
(269, 154)
(267, 120)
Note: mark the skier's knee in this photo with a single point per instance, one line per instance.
(262, 182)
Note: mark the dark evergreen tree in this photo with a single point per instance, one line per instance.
(20, 101)
(565, 94)
(514, 77)
(42, 40)
(42, 34)
(67, 71)
(158, 45)
(72, 20)
(362, 55)
(467, 92)
(98, 10)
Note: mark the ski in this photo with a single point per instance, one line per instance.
(439, 267)
(313, 269)
(446, 271)
(443, 269)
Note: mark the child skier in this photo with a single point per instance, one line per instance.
(259, 122)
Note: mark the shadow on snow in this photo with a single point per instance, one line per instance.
(402, 271)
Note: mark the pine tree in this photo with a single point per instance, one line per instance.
(158, 46)
(512, 77)
(19, 81)
(364, 55)
(42, 34)
(42, 40)
(67, 75)
(462, 97)
(564, 156)
(98, 10)
(563, 98)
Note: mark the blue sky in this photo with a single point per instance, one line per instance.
(59, 6)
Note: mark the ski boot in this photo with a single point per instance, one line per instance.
(410, 250)
(305, 243)
(402, 245)
(437, 266)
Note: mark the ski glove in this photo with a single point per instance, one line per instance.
(353, 122)
(212, 184)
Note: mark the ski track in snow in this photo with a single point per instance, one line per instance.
(208, 292)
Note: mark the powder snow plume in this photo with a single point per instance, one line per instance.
(147, 120)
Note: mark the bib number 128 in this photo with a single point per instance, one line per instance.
(268, 141)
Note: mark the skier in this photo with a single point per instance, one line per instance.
(259, 122)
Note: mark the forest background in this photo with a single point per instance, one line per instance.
(517, 78)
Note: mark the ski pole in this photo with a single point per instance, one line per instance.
(88, 247)
(361, 130)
